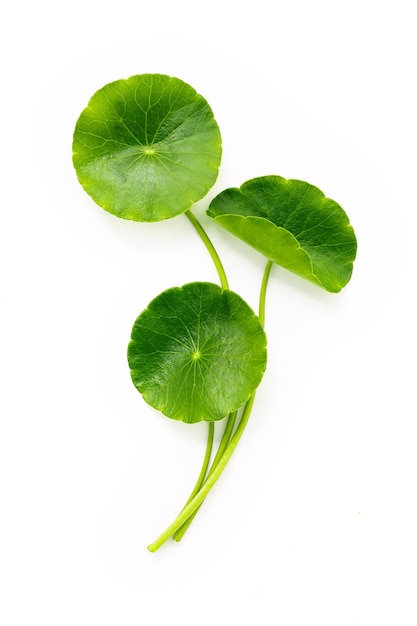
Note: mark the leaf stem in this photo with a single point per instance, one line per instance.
(211, 480)
(222, 446)
(205, 465)
(232, 418)
(262, 295)
(211, 249)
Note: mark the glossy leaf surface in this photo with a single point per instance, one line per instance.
(197, 352)
(147, 147)
(292, 223)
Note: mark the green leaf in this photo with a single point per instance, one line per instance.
(197, 352)
(292, 223)
(146, 148)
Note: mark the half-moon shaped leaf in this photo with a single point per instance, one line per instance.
(147, 147)
(197, 352)
(292, 223)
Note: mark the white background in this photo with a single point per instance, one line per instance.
(314, 520)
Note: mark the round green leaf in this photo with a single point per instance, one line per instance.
(292, 223)
(146, 148)
(197, 352)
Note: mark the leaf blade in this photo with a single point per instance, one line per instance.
(147, 147)
(197, 352)
(292, 223)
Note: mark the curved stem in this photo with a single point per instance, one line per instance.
(222, 446)
(231, 420)
(225, 439)
(211, 480)
(262, 295)
(206, 461)
(211, 249)
(215, 472)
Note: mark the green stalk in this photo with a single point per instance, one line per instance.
(222, 447)
(223, 458)
(211, 249)
(262, 294)
(231, 419)
(206, 461)
(201, 495)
